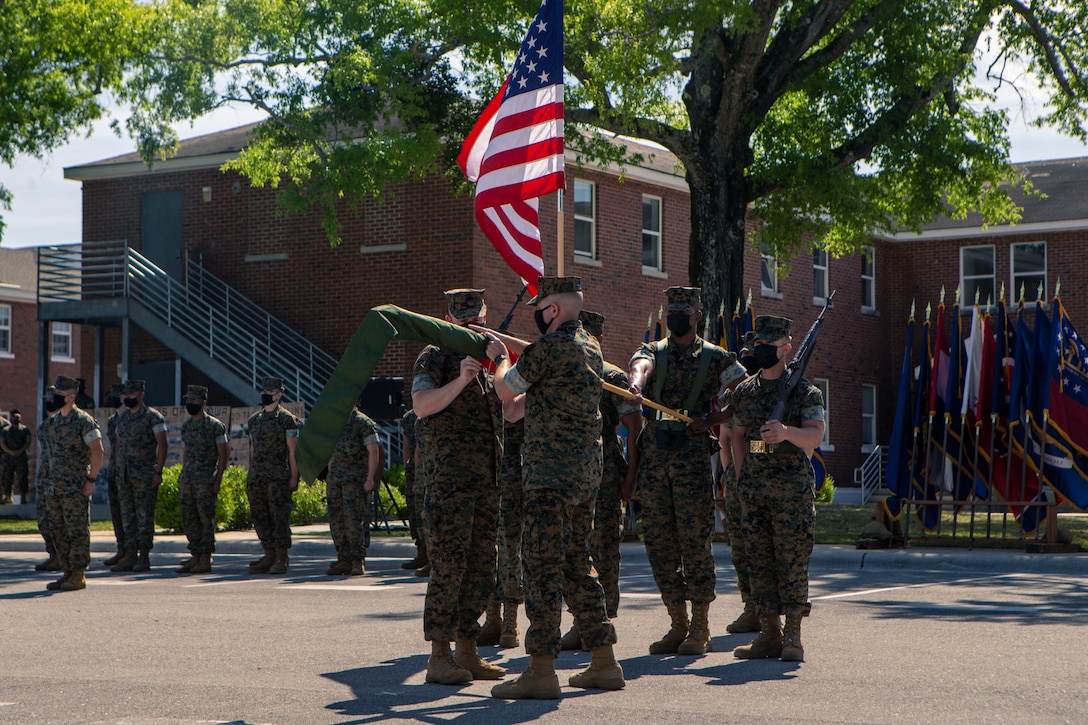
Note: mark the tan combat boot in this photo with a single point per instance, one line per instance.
(127, 561)
(492, 629)
(792, 648)
(279, 565)
(143, 562)
(571, 640)
(340, 567)
(537, 682)
(442, 669)
(603, 673)
(419, 561)
(468, 658)
(698, 641)
(767, 644)
(115, 558)
(50, 564)
(74, 582)
(261, 565)
(357, 568)
(424, 571)
(186, 565)
(510, 633)
(54, 586)
(748, 621)
(668, 644)
(203, 564)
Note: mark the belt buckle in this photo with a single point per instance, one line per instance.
(757, 447)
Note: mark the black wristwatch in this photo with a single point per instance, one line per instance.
(499, 359)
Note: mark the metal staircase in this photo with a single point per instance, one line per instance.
(205, 321)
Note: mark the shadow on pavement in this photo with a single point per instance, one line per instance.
(718, 666)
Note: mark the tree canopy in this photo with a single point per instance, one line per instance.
(819, 121)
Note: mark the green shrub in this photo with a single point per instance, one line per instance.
(232, 508)
(168, 505)
(827, 493)
(309, 503)
(392, 492)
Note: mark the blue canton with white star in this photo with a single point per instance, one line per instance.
(540, 60)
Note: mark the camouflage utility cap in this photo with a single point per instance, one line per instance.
(548, 286)
(770, 328)
(65, 383)
(271, 383)
(133, 386)
(466, 303)
(196, 392)
(116, 389)
(593, 322)
(682, 299)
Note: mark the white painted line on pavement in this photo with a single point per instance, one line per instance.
(866, 592)
(639, 595)
(342, 587)
(116, 582)
(223, 583)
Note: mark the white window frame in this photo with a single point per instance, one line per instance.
(825, 387)
(820, 271)
(1028, 298)
(654, 234)
(65, 331)
(868, 275)
(868, 420)
(968, 297)
(6, 325)
(768, 263)
(591, 220)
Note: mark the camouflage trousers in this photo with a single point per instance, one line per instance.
(779, 529)
(13, 475)
(555, 547)
(412, 505)
(349, 517)
(270, 505)
(675, 489)
(510, 575)
(604, 543)
(196, 492)
(70, 513)
(45, 523)
(459, 521)
(114, 494)
(734, 521)
(138, 498)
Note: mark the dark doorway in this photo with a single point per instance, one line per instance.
(161, 379)
(160, 230)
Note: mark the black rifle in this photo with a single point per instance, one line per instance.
(796, 369)
(510, 315)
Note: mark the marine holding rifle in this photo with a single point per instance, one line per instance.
(775, 480)
(682, 372)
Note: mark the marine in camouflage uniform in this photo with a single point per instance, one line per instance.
(16, 441)
(460, 445)
(355, 471)
(775, 483)
(45, 525)
(560, 376)
(141, 454)
(413, 500)
(204, 458)
(71, 448)
(273, 476)
(113, 400)
(674, 474)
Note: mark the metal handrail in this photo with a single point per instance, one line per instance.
(226, 325)
(872, 473)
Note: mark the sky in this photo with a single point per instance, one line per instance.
(47, 208)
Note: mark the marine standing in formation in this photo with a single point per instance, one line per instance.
(45, 527)
(775, 483)
(413, 498)
(273, 476)
(460, 445)
(141, 455)
(113, 400)
(204, 456)
(71, 450)
(355, 470)
(15, 440)
(559, 377)
(682, 372)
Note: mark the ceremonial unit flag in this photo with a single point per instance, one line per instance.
(515, 151)
(899, 468)
(1065, 459)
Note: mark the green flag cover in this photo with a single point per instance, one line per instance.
(326, 420)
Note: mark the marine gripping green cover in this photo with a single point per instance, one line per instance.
(382, 324)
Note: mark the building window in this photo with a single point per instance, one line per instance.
(768, 283)
(585, 232)
(62, 342)
(651, 233)
(977, 274)
(5, 329)
(819, 276)
(868, 279)
(868, 418)
(1029, 270)
(823, 385)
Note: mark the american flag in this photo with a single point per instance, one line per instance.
(515, 150)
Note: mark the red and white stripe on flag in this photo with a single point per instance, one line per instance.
(515, 151)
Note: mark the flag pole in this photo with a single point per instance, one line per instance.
(559, 232)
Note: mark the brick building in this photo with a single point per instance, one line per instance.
(625, 235)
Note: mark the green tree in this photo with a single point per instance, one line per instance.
(58, 59)
(829, 120)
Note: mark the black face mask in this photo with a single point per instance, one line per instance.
(51, 405)
(679, 324)
(58, 401)
(266, 398)
(750, 364)
(130, 402)
(15, 419)
(765, 356)
(193, 408)
(538, 316)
